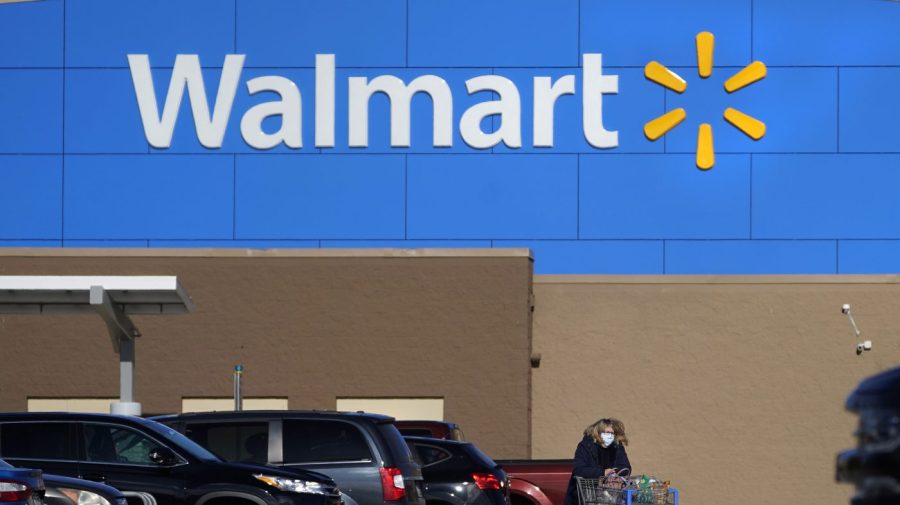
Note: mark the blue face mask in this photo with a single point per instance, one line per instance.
(607, 439)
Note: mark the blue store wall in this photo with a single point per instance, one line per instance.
(818, 194)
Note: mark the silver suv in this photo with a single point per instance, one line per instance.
(364, 453)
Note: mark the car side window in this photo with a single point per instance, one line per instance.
(310, 441)
(430, 455)
(38, 440)
(106, 443)
(246, 442)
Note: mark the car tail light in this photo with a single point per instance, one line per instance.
(392, 483)
(14, 491)
(486, 481)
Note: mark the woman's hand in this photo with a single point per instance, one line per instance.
(609, 471)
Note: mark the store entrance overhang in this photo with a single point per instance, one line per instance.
(113, 298)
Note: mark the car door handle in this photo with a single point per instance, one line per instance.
(96, 477)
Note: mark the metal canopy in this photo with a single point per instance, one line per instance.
(37, 294)
(113, 298)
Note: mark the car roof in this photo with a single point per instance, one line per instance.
(428, 421)
(324, 414)
(437, 441)
(73, 416)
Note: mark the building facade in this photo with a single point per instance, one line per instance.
(700, 186)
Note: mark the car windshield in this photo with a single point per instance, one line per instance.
(4, 464)
(182, 441)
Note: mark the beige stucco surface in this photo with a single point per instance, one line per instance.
(731, 388)
(398, 408)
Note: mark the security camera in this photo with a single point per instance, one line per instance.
(863, 346)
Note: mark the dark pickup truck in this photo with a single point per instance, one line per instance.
(531, 481)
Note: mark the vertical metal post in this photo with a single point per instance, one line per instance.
(122, 332)
(238, 401)
(126, 370)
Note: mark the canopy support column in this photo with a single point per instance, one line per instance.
(122, 332)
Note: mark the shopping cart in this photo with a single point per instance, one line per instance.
(619, 490)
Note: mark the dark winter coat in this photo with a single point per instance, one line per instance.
(591, 461)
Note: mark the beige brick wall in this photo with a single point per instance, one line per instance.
(309, 326)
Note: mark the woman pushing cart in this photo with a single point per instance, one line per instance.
(600, 471)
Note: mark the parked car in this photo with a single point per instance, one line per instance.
(433, 429)
(873, 466)
(457, 473)
(139, 455)
(20, 486)
(57, 490)
(531, 481)
(68, 491)
(363, 453)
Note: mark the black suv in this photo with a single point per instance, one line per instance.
(364, 453)
(458, 473)
(134, 454)
(874, 465)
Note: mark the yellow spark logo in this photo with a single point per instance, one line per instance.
(752, 127)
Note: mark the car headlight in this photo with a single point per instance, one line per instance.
(294, 485)
(82, 497)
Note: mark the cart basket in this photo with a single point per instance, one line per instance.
(619, 491)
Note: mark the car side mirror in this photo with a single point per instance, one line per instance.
(163, 456)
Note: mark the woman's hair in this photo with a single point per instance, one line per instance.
(594, 430)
